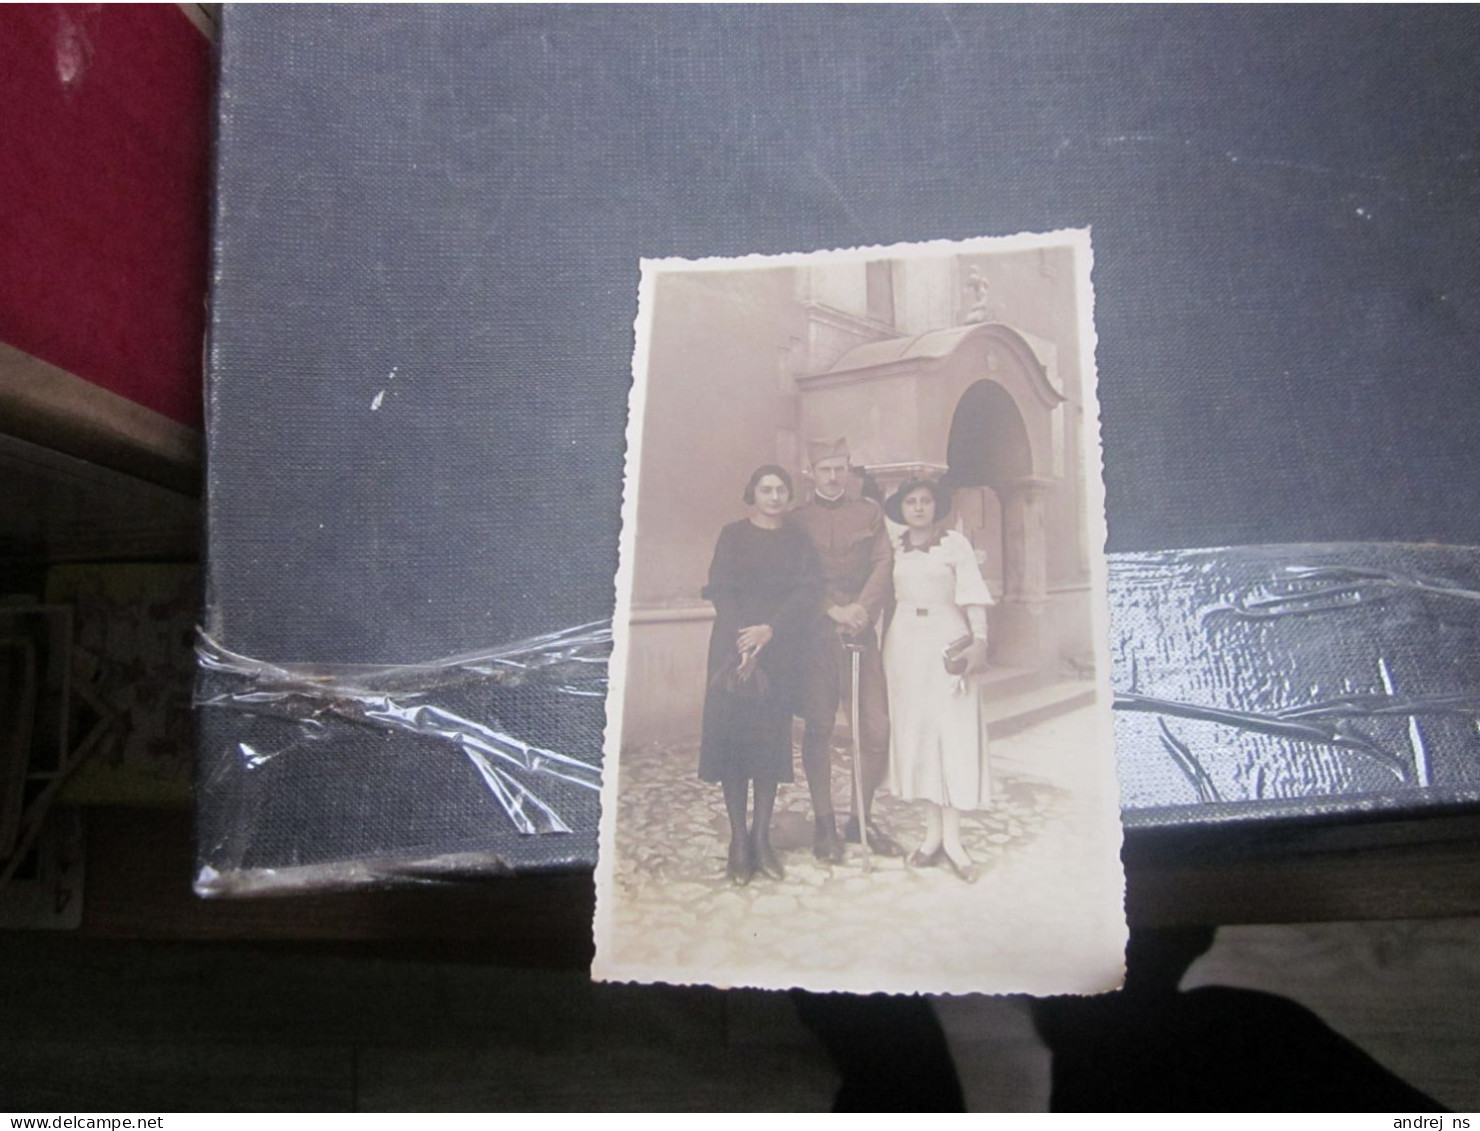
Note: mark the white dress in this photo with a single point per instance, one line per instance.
(938, 743)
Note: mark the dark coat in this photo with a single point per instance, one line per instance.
(758, 576)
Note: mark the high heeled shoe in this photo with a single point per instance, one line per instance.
(765, 859)
(967, 873)
(739, 867)
(918, 859)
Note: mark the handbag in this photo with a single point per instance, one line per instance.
(743, 683)
(954, 654)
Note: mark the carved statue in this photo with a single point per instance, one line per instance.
(977, 284)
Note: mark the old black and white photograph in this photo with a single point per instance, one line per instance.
(858, 732)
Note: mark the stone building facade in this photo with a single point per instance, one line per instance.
(967, 364)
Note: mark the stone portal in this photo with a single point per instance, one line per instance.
(983, 403)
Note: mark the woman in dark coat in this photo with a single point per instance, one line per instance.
(766, 586)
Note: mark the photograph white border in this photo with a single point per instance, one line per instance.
(604, 968)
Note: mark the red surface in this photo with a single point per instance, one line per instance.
(104, 177)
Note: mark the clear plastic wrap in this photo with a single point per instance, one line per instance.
(482, 707)
(1295, 680)
(1252, 682)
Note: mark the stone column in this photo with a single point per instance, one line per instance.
(1024, 636)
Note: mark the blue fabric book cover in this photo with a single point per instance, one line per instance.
(428, 223)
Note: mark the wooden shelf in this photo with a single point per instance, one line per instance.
(139, 865)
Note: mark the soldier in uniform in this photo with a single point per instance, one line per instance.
(857, 563)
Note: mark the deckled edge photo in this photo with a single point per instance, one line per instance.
(1092, 964)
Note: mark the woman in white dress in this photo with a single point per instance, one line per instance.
(938, 740)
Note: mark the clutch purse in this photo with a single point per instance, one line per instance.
(954, 655)
(743, 682)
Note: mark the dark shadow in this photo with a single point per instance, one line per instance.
(1152, 1047)
(891, 1051)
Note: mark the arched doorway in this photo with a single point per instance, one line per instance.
(987, 444)
(989, 459)
(986, 451)
(983, 402)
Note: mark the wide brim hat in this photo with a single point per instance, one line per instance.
(940, 490)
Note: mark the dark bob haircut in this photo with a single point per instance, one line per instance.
(763, 471)
(940, 492)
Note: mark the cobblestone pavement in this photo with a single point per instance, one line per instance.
(1049, 898)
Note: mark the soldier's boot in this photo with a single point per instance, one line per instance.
(825, 843)
(880, 843)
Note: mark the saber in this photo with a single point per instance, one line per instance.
(855, 650)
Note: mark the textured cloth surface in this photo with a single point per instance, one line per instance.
(1295, 680)
(428, 227)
